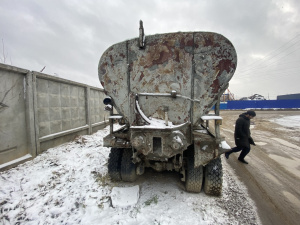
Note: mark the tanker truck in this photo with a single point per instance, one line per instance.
(164, 90)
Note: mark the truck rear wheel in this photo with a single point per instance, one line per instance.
(114, 164)
(213, 177)
(194, 176)
(128, 168)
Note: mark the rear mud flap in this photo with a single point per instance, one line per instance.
(208, 149)
(205, 150)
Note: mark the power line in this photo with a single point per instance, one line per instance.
(268, 70)
(273, 54)
(266, 65)
(272, 66)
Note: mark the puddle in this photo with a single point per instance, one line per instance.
(272, 178)
(289, 164)
(283, 129)
(286, 143)
(260, 143)
(231, 131)
(292, 198)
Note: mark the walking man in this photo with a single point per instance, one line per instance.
(242, 136)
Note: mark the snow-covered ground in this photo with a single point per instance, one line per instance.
(288, 121)
(69, 185)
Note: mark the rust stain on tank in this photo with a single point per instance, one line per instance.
(157, 55)
(102, 68)
(141, 77)
(209, 40)
(226, 64)
(215, 86)
(165, 64)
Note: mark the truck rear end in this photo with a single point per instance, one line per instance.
(161, 88)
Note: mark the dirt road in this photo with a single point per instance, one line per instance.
(273, 173)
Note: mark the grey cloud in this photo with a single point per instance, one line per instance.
(68, 37)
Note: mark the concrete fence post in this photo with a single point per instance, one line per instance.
(35, 112)
(30, 114)
(88, 108)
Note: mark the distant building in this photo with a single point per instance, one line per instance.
(244, 99)
(292, 96)
(257, 97)
(227, 96)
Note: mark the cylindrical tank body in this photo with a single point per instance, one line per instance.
(178, 75)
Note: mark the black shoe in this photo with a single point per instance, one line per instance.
(243, 161)
(227, 155)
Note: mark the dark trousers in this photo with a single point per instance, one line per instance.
(244, 152)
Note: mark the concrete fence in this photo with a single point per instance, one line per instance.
(39, 111)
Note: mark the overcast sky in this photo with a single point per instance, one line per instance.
(69, 37)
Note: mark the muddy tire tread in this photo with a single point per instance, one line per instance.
(128, 168)
(114, 164)
(194, 176)
(213, 177)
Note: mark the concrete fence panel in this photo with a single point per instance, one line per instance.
(97, 113)
(65, 109)
(16, 116)
(39, 111)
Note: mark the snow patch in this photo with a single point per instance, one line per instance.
(288, 121)
(260, 143)
(224, 145)
(201, 131)
(204, 147)
(115, 117)
(125, 196)
(208, 117)
(159, 124)
(69, 184)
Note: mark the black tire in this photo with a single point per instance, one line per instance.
(114, 163)
(194, 176)
(213, 177)
(128, 168)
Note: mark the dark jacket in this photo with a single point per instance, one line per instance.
(242, 135)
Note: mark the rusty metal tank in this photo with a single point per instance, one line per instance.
(162, 87)
(183, 73)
